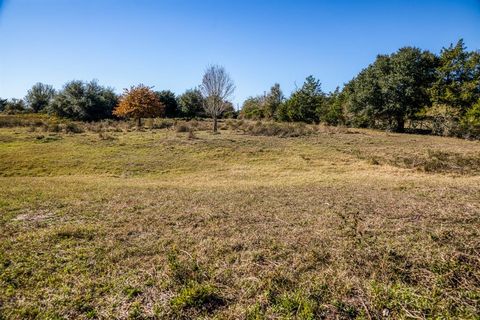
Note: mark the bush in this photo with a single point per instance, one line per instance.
(39, 96)
(471, 122)
(71, 127)
(444, 120)
(52, 127)
(182, 127)
(191, 103)
(15, 106)
(162, 123)
(85, 101)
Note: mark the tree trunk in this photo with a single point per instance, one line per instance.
(139, 123)
(215, 125)
(400, 124)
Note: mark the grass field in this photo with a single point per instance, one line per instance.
(338, 224)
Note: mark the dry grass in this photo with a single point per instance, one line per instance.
(335, 224)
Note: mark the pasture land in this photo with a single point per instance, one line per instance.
(336, 223)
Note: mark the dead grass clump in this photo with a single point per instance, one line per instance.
(72, 127)
(23, 120)
(109, 125)
(52, 127)
(440, 161)
(201, 125)
(276, 129)
(234, 124)
(159, 123)
(182, 127)
(105, 136)
(94, 127)
(322, 128)
(149, 123)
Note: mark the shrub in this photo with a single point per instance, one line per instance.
(182, 127)
(471, 122)
(105, 136)
(85, 101)
(162, 123)
(52, 127)
(191, 104)
(72, 127)
(39, 96)
(15, 106)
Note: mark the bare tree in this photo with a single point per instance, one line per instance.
(216, 88)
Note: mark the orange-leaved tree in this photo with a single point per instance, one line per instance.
(139, 102)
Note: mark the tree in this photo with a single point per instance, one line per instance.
(332, 112)
(139, 102)
(365, 98)
(191, 104)
(39, 96)
(305, 103)
(457, 81)
(471, 121)
(217, 87)
(168, 99)
(393, 88)
(273, 100)
(3, 104)
(85, 101)
(252, 108)
(229, 111)
(14, 106)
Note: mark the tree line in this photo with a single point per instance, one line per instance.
(411, 86)
(410, 89)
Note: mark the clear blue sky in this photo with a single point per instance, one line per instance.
(168, 44)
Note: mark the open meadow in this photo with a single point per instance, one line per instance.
(165, 223)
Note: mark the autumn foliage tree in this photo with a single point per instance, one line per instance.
(139, 102)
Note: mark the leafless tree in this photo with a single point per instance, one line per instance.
(216, 88)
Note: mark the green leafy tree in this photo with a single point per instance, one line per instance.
(168, 99)
(471, 121)
(263, 106)
(393, 88)
(229, 112)
(332, 112)
(190, 104)
(86, 101)
(273, 101)
(3, 104)
(457, 81)
(15, 106)
(39, 96)
(304, 104)
(253, 108)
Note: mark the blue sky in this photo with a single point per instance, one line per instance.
(168, 43)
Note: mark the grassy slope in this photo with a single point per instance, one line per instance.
(151, 224)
